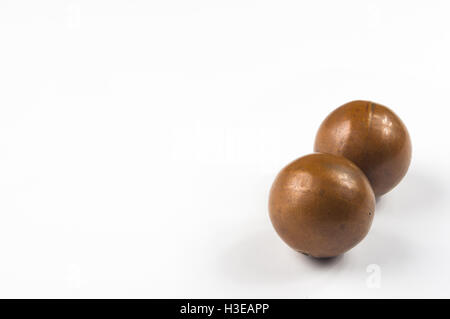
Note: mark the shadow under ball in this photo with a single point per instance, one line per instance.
(371, 136)
(321, 205)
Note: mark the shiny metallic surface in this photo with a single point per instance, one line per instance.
(321, 205)
(371, 136)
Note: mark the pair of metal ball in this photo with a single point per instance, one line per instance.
(323, 204)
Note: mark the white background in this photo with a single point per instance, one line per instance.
(139, 141)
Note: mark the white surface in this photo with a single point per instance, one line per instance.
(139, 140)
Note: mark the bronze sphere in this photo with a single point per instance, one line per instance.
(372, 137)
(321, 205)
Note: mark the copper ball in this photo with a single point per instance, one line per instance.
(321, 205)
(371, 136)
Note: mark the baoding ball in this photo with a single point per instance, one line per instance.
(321, 205)
(372, 137)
